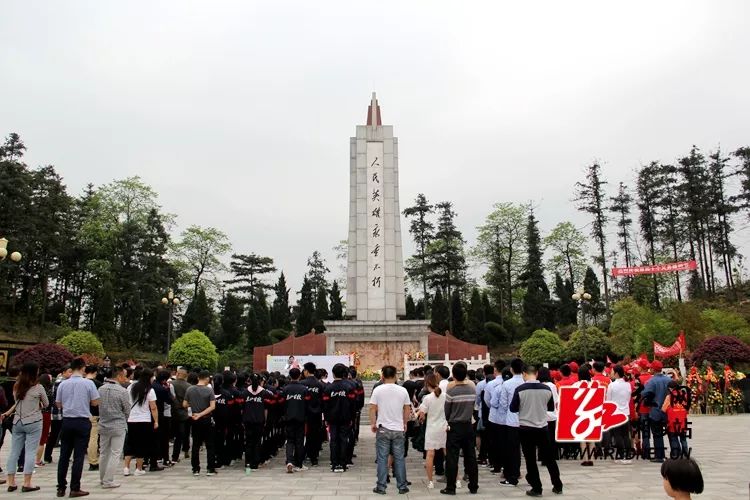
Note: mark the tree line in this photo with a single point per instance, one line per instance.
(103, 260)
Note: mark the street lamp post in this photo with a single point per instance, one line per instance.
(170, 301)
(580, 297)
(15, 256)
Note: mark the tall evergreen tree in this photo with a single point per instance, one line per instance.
(231, 321)
(536, 302)
(620, 206)
(305, 309)
(280, 314)
(446, 259)
(648, 189)
(198, 315)
(457, 315)
(337, 308)
(671, 223)
(104, 322)
(321, 310)
(422, 232)
(591, 198)
(476, 317)
(722, 209)
(317, 273)
(249, 273)
(439, 318)
(594, 307)
(566, 308)
(411, 308)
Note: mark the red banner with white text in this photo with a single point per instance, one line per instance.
(675, 349)
(671, 267)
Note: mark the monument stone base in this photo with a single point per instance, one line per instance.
(377, 343)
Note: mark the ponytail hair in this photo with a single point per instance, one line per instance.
(432, 382)
(254, 381)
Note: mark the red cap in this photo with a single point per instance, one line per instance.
(635, 370)
(573, 366)
(643, 363)
(656, 365)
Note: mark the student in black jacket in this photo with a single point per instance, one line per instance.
(314, 410)
(295, 410)
(339, 402)
(255, 406)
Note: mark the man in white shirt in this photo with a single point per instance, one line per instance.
(619, 392)
(390, 410)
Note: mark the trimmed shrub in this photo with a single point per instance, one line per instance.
(722, 349)
(50, 357)
(81, 342)
(587, 344)
(495, 332)
(195, 350)
(542, 347)
(278, 334)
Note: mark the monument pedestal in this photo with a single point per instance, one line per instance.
(377, 343)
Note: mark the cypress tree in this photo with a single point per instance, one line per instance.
(476, 317)
(457, 313)
(305, 309)
(198, 315)
(439, 316)
(421, 230)
(231, 321)
(337, 308)
(280, 314)
(411, 308)
(593, 307)
(648, 195)
(536, 302)
(566, 307)
(321, 310)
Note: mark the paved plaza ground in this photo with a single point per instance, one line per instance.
(721, 444)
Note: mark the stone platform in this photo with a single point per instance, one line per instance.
(720, 445)
(378, 342)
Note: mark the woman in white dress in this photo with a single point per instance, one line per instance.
(433, 408)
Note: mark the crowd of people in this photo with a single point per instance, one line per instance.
(137, 420)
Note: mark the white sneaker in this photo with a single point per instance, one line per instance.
(300, 469)
(125, 471)
(109, 486)
(139, 472)
(458, 484)
(624, 462)
(430, 485)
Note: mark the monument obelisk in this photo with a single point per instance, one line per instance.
(375, 271)
(375, 267)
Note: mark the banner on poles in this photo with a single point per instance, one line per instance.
(688, 265)
(675, 349)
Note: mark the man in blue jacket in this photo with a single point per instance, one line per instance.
(654, 394)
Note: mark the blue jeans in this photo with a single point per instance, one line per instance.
(678, 445)
(657, 431)
(645, 427)
(24, 435)
(388, 442)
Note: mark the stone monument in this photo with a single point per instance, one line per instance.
(375, 267)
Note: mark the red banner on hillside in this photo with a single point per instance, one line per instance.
(688, 265)
(675, 349)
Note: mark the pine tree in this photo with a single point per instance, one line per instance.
(422, 232)
(722, 210)
(254, 329)
(671, 223)
(536, 302)
(476, 317)
(231, 321)
(439, 318)
(337, 308)
(419, 310)
(620, 206)
(321, 310)
(280, 314)
(249, 272)
(490, 313)
(305, 309)
(591, 196)
(262, 315)
(457, 314)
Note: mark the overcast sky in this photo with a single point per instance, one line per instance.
(239, 113)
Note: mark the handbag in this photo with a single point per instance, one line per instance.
(8, 422)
